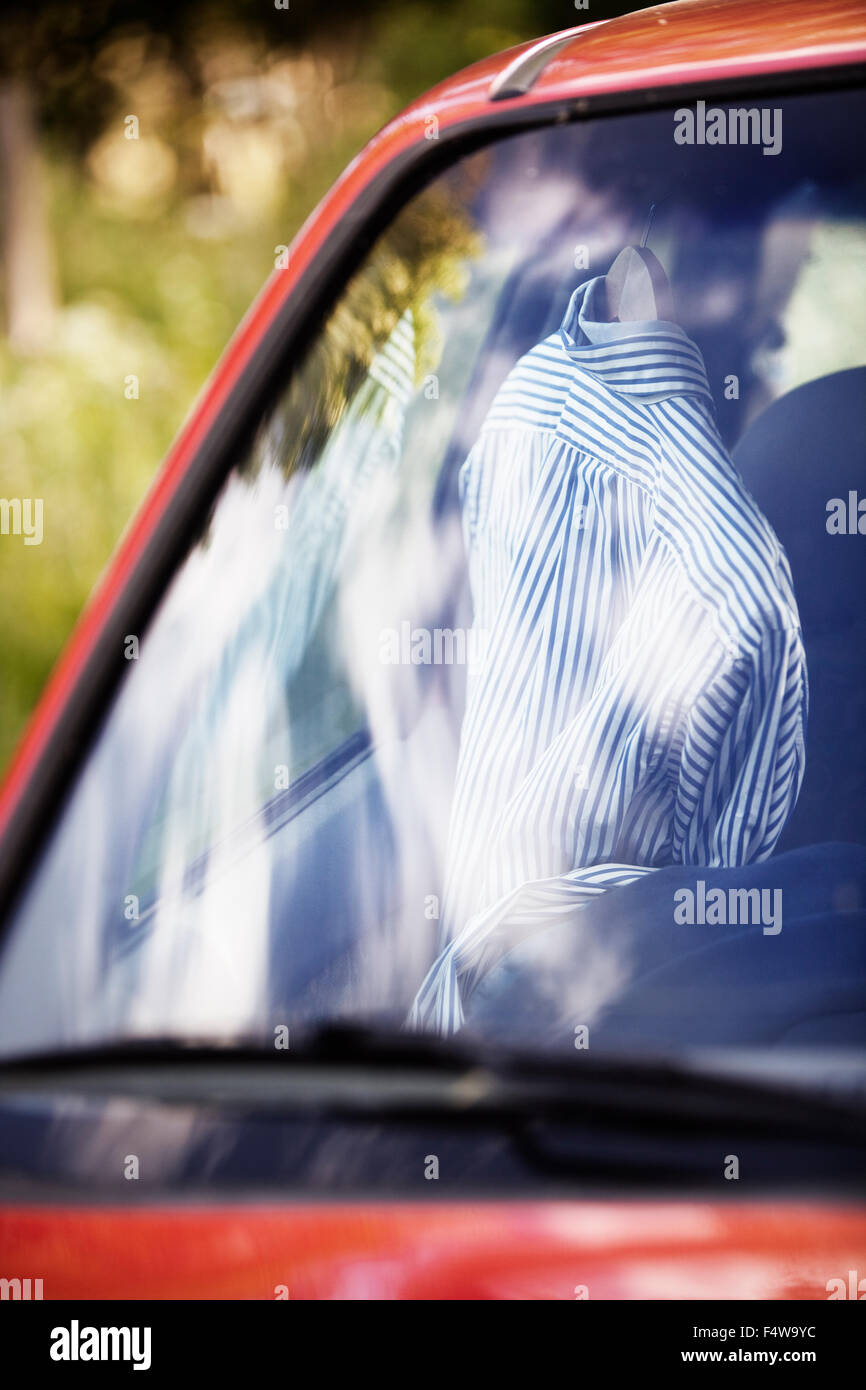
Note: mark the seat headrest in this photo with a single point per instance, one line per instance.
(805, 450)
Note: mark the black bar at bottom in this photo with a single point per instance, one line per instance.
(156, 1339)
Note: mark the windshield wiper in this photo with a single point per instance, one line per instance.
(356, 1068)
(629, 1122)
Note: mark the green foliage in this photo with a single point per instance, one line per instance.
(247, 115)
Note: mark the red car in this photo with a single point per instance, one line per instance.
(327, 966)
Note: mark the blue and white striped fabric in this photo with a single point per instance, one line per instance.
(643, 697)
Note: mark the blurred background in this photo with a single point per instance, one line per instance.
(152, 156)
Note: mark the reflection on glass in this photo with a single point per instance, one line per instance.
(372, 716)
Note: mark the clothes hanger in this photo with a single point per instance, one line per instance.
(636, 285)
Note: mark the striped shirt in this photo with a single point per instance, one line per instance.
(642, 698)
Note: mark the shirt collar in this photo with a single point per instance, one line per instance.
(651, 360)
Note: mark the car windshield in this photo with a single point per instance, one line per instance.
(515, 684)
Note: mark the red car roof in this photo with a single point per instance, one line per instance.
(691, 42)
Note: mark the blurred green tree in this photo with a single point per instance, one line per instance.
(153, 154)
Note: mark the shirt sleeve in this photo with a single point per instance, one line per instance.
(742, 755)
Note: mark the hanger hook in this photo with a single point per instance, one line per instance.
(649, 224)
